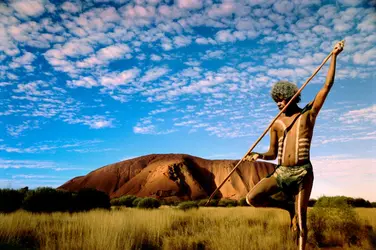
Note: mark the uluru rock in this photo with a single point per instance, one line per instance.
(173, 176)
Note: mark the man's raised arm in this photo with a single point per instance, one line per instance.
(323, 93)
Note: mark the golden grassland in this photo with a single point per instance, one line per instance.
(164, 228)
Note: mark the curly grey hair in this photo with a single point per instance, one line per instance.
(284, 90)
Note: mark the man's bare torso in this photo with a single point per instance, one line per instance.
(294, 147)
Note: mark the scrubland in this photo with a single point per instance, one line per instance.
(169, 228)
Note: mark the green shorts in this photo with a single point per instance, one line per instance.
(289, 178)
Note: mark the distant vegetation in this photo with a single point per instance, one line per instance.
(46, 199)
(49, 200)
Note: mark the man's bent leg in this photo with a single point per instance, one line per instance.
(259, 195)
(301, 208)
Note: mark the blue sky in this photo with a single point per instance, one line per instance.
(87, 83)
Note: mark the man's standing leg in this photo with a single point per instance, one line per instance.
(301, 204)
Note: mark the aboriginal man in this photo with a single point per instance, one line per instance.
(290, 140)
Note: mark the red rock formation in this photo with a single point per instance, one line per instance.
(172, 176)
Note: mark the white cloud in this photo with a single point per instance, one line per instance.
(367, 58)
(190, 4)
(4, 163)
(117, 79)
(221, 10)
(94, 122)
(218, 54)
(139, 129)
(100, 124)
(27, 58)
(113, 52)
(27, 8)
(16, 130)
(321, 29)
(154, 74)
(181, 41)
(161, 110)
(350, 2)
(71, 7)
(225, 36)
(368, 24)
(360, 116)
(283, 7)
(204, 40)
(86, 82)
(155, 57)
(76, 48)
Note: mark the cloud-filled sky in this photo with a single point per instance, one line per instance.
(87, 83)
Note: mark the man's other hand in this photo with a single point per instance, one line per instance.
(252, 157)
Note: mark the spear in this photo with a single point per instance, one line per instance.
(342, 44)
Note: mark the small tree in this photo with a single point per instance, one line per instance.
(90, 198)
(127, 200)
(149, 203)
(186, 205)
(10, 200)
(227, 203)
(136, 201)
(45, 199)
(212, 203)
(115, 202)
(311, 202)
(334, 214)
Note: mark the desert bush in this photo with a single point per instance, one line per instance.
(212, 203)
(354, 202)
(312, 202)
(334, 222)
(10, 200)
(45, 199)
(127, 200)
(136, 201)
(243, 202)
(186, 205)
(227, 203)
(360, 202)
(90, 198)
(115, 202)
(149, 203)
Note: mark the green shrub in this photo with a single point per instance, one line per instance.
(136, 201)
(333, 214)
(127, 200)
(115, 202)
(90, 198)
(149, 203)
(243, 202)
(212, 203)
(186, 205)
(170, 202)
(311, 202)
(10, 200)
(227, 203)
(45, 199)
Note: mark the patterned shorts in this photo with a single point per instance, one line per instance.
(289, 178)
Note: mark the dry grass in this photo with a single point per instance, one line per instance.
(164, 228)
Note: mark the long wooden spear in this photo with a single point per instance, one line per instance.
(342, 44)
